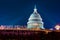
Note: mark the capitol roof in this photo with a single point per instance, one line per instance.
(35, 15)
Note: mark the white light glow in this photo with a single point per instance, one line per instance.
(57, 27)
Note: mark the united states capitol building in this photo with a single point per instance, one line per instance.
(33, 31)
(34, 22)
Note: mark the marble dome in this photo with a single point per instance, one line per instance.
(35, 20)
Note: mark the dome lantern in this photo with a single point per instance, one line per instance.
(35, 9)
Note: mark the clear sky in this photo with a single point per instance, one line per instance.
(17, 12)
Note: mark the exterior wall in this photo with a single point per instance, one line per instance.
(30, 25)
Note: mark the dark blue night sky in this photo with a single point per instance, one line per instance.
(17, 12)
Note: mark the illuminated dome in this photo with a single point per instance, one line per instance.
(35, 20)
(35, 15)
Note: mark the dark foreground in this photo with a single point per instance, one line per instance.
(28, 35)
